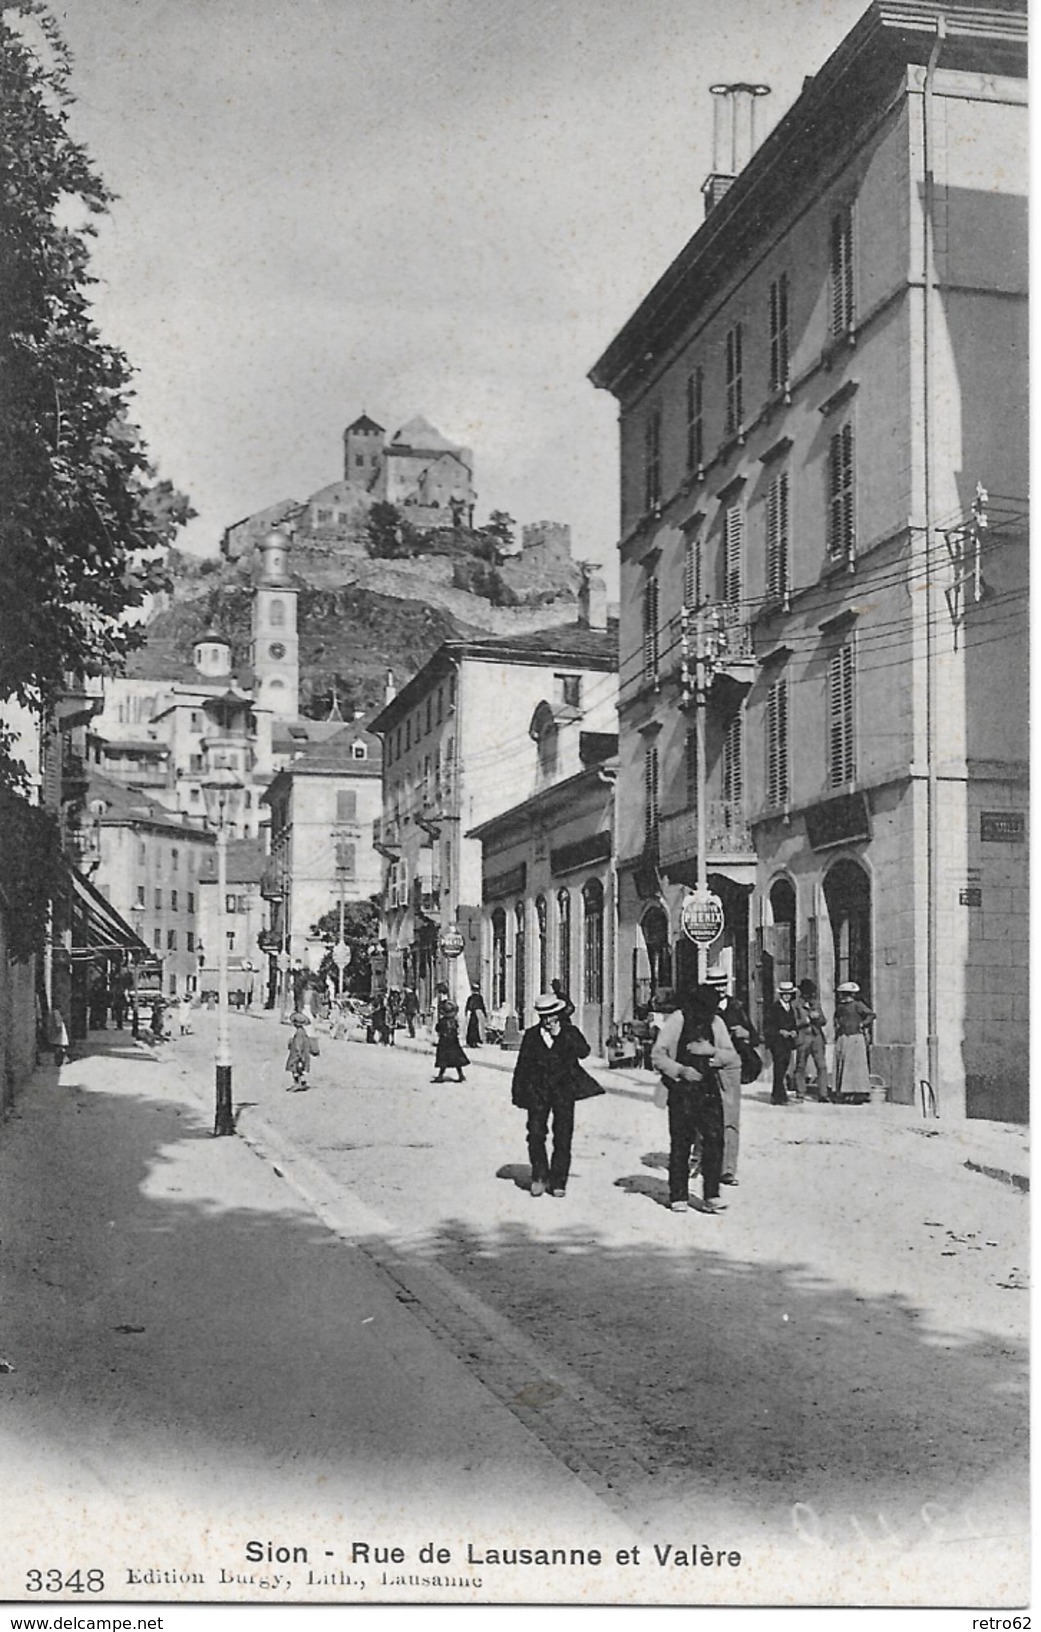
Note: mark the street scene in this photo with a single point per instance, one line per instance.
(514, 803)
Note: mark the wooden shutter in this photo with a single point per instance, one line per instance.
(650, 628)
(650, 786)
(692, 574)
(733, 554)
(841, 533)
(346, 805)
(735, 405)
(695, 435)
(842, 271)
(777, 538)
(841, 716)
(779, 333)
(733, 755)
(777, 743)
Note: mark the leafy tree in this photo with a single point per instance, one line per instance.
(494, 540)
(389, 535)
(83, 522)
(361, 929)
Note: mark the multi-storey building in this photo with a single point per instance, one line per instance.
(323, 807)
(810, 398)
(241, 919)
(454, 754)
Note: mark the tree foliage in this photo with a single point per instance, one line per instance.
(82, 516)
(361, 928)
(389, 535)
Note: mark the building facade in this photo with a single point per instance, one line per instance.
(823, 557)
(456, 751)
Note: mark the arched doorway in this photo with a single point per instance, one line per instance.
(847, 891)
(593, 960)
(652, 963)
(779, 939)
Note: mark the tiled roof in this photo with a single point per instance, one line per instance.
(335, 757)
(125, 805)
(572, 641)
(422, 437)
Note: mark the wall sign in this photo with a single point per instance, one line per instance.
(1003, 826)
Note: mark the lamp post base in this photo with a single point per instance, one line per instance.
(224, 1122)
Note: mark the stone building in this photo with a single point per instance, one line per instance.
(813, 399)
(455, 754)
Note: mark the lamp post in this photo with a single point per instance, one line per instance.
(218, 794)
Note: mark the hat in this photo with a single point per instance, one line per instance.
(808, 988)
(848, 986)
(299, 1017)
(704, 998)
(549, 1004)
(717, 977)
(786, 988)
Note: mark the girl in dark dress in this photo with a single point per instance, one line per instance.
(449, 1055)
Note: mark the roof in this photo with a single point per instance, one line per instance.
(127, 807)
(856, 79)
(333, 757)
(571, 645)
(341, 492)
(423, 437)
(366, 424)
(246, 863)
(561, 793)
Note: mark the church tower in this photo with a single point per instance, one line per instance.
(362, 451)
(275, 653)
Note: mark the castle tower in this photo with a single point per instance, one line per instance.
(362, 451)
(275, 652)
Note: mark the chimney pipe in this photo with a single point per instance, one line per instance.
(733, 136)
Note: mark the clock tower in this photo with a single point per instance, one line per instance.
(275, 652)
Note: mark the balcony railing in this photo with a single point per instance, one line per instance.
(726, 833)
(271, 887)
(385, 834)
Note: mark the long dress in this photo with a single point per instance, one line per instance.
(449, 1055)
(851, 1059)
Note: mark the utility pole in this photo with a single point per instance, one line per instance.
(697, 667)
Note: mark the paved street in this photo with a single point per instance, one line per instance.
(357, 1308)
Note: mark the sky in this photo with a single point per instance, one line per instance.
(438, 207)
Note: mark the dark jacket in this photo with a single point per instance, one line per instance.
(552, 1075)
(779, 1020)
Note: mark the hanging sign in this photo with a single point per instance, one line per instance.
(341, 955)
(701, 917)
(452, 943)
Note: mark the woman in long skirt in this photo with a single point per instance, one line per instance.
(449, 1055)
(851, 1058)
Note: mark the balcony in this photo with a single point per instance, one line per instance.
(271, 887)
(727, 834)
(385, 838)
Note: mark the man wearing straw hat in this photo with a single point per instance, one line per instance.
(547, 1080)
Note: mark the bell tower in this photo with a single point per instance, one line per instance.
(275, 652)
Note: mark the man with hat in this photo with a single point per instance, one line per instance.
(744, 1038)
(809, 1044)
(781, 1030)
(689, 1052)
(547, 1080)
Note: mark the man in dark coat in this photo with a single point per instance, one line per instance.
(781, 1028)
(547, 1080)
(691, 1049)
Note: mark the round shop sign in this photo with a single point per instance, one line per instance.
(283, 961)
(452, 943)
(702, 917)
(341, 955)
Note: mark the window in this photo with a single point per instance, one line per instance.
(359, 750)
(440, 704)
(430, 704)
(195, 763)
(191, 900)
(231, 940)
(841, 256)
(173, 900)
(140, 895)
(569, 690)
(692, 572)
(652, 460)
(842, 762)
(841, 536)
(777, 788)
(695, 419)
(779, 334)
(171, 940)
(158, 900)
(498, 958)
(157, 939)
(230, 903)
(593, 941)
(733, 756)
(196, 720)
(359, 459)
(346, 805)
(174, 858)
(650, 790)
(540, 921)
(733, 554)
(323, 515)
(190, 940)
(520, 961)
(346, 859)
(650, 629)
(277, 614)
(564, 938)
(690, 767)
(142, 853)
(735, 381)
(397, 743)
(408, 732)
(194, 796)
(778, 547)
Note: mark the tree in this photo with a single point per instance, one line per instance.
(83, 523)
(495, 538)
(389, 536)
(361, 929)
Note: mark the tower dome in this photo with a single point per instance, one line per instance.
(274, 561)
(211, 655)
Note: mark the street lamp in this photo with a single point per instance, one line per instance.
(219, 794)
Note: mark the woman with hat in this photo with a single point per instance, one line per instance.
(448, 1056)
(547, 1080)
(851, 1060)
(782, 1029)
(691, 1049)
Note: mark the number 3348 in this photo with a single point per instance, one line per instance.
(58, 1581)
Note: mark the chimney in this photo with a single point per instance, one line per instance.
(592, 598)
(733, 137)
(390, 690)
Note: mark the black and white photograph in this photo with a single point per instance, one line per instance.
(514, 814)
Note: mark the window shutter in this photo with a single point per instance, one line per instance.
(695, 432)
(733, 755)
(650, 628)
(650, 782)
(779, 333)
(692, 574)
(346, 805)
(841, 532)
(733, 551)
(777, 743)
(777, 538)
(842, 271)
(841, 717)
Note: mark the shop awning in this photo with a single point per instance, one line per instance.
(97, 928)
